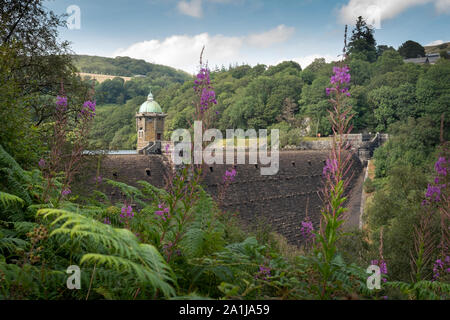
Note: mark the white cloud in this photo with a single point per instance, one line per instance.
(383, 10)
(266, 39)
(191, 8)
(436, 43)
(194, 8)
(307, 60)
(442, 6)
(182, 51)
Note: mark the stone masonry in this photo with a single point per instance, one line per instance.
(282, 200)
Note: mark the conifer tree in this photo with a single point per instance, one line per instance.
(362, 41)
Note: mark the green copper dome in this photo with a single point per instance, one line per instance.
(150, 105)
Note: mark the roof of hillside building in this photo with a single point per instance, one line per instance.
(150, 106)
(430, 58)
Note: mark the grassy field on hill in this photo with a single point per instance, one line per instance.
(437, 48)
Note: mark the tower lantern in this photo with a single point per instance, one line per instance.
(149, 126)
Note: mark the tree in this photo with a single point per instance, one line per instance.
(382, 48)
(411, 142)
(433, 91)
(444, 54)
(388, 62)
(43, 62)
(411, 49)
(288, 112)
(290, 67)
(392, 104)
(33, 63)
(363, 41)
(315, 104)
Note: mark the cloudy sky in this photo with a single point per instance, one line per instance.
(172, 32)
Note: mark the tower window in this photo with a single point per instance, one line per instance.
(158, 136)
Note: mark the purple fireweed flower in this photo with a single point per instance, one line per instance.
(345, 91)
(106, 221)
(307, 230)
(341, 76)
(440, 266)
(88, 109)
(439, 166)
(65, 192)
(434, 193)
(202, 77)
(264, 273)
(229, 175)
(202, 87)
(207, 97)
(383, 267)
(127, 212)
(330, 167)
(164, 213)
(329, 90)
(61, 101)
(98, 179)
(41, 163)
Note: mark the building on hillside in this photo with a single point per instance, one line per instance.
(150, 126)
(428, 59)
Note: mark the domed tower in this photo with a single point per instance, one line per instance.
(149, 126)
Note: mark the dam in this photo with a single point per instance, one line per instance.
(282, 200)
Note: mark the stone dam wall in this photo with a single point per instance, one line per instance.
(281, 200)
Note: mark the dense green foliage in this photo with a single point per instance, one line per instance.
(362, 41)
(130, 258)
(176, 242)
(125, 66)
(294, 100)
(404, 167)
(411, 49)
(112, 129)
(33, 66)
(145, 76)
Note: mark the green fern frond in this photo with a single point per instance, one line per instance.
(6, 161)
(11, 244)
(115, 248)
(13, 185)
(144, 275)
(7, 200)
(434, 290)
(129, 191)
(152, 191)
(23, 227)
